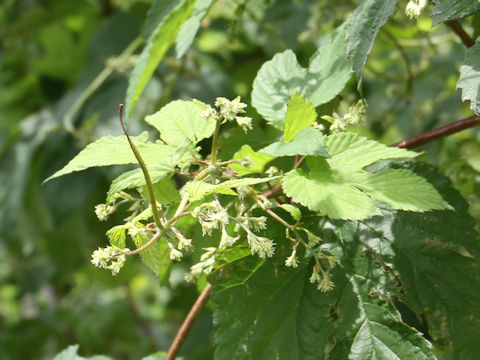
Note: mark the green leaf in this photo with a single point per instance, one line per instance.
(469, 80)
(70, 353)
(181, 120)
(300, 114)
(190, 27)
(339, 187)
(115, 150)
(309, 141)
(362, 29)
(446, 10)
(156, 256)
(164, 34)
(258, 161)
(165, 192)
(135, 178)
(327, 192)
(284, 316)
(353, 152)
(292, 210)
(436, 258)
(280, 78)
(117, 236)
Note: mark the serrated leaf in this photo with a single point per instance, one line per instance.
(351, 151)
(135, 178)
(300, 114)
(117, 236)
(469, 80)
(257, 160)
(156, 256)
(70, 353)
(167, 26)
(362, 29)
(292, 210)
(428, 251)
(114, 150)
(309, 141)
(446, 10)
(311, 322)
(280, 78)
(329, 194)
(181, 120)
(339, 188)
(190, 27)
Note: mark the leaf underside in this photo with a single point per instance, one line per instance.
(447, 10)
(469, 80)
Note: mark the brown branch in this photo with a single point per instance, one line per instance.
(460, 31)
(439, 132)
(188, 322)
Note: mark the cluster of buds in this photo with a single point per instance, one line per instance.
(354, 116)
(261, 246)
(103, 211)
(321, 275)
(211, 216)
(109, 258)
(414, 8)
(228, 110)
(205, 266)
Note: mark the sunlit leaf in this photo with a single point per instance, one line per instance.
(308, 141)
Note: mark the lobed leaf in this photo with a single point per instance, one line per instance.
(308, 141)
(339, 187)
(280, 78)
(447, 10)
(166, 27)
(70, 353)
(469, 80)
(115, 150)
(362, 29)
(181, 120)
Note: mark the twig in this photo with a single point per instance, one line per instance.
(146, 245)
(439, 132)
(272, 191)
(146, 174)
(188, 322)
(460, 31)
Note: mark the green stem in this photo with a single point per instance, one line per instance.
(96, 83)
(146, 174)
(215, 143)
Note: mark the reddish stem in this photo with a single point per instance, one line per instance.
(460, 31)
(188, 322)
(439, 132)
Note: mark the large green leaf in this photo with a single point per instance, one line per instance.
(436, 258)
(115, 150)
(469, 80)
(362, 29)
(181, 120)
(300, 114)
(308, 141)
(280, 78)
(167, 26)
(190, 27)
(340, 188)
(446, 10)
(284, 316)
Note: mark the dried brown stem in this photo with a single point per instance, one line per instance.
(460, 31)
(439, 132)
(188, 322)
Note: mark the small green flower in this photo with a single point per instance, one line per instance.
(102, 211)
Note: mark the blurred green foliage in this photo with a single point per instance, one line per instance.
(51, 51)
